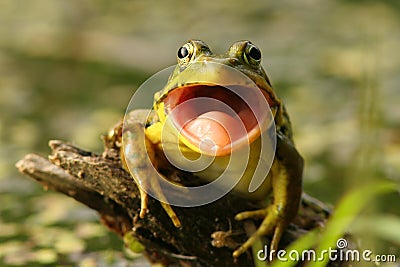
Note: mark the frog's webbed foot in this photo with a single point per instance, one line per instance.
(272, 224)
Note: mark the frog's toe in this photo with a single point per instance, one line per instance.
(264, 229)
(143, 212)
(256, 214)
(171, 213)
(143, 203)
(272, 224)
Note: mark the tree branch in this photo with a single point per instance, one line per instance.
(208, 234)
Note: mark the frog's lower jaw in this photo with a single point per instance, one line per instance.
(240, 166)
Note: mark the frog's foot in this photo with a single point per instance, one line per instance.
(164, 202)
(272, 224)
(144, 198)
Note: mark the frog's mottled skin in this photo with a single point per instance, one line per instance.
(284, 178)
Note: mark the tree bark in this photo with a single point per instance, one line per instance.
(208, 234)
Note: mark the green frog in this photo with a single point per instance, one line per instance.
(195, 130)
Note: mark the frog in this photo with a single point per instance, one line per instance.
(283, 181)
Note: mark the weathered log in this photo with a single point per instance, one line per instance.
(208, 234)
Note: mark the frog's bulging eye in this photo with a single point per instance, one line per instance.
(185, 53)
(252, 55)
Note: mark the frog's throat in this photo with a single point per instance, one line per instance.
(212, 119)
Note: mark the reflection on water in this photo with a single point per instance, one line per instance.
(67, 71)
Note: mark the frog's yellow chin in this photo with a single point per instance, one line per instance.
(212, 119)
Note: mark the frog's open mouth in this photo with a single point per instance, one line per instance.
(216, 119)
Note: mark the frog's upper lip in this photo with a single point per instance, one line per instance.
(215, 119)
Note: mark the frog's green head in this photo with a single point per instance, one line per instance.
(235, 79)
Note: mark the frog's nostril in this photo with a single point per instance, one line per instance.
(233, 61)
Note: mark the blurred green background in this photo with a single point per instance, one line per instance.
(69, 68)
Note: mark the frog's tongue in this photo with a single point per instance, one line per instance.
(212, 118)
(215, 129)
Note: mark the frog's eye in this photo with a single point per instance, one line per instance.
(252, 55)
(185, 53)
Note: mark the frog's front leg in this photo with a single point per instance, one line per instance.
(286, 175)
(137, 155)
